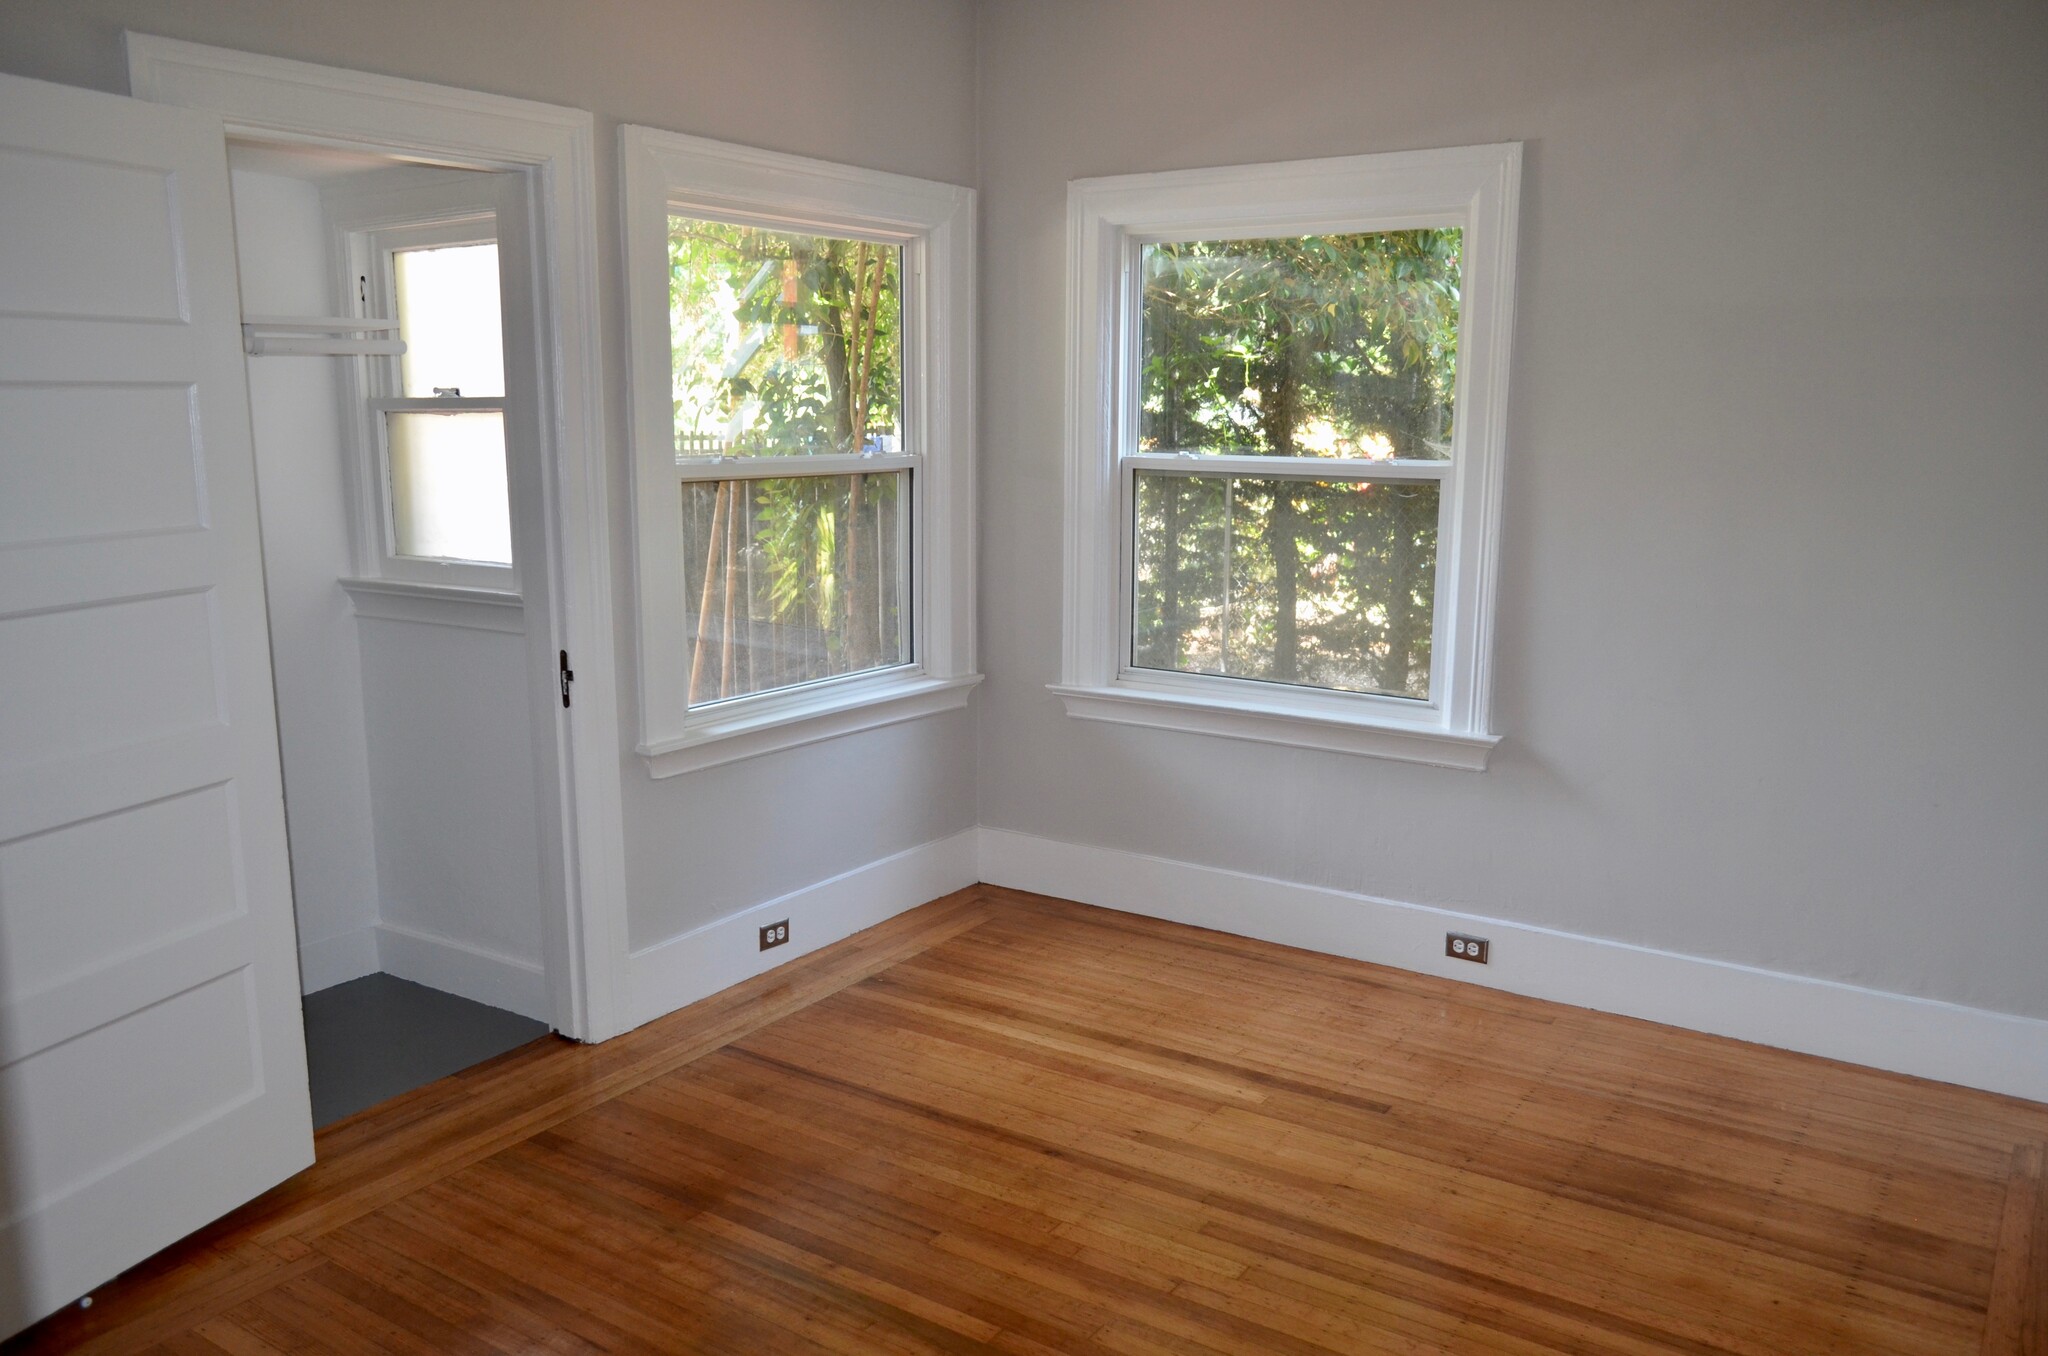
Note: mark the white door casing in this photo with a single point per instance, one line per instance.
(272, 99)
(152, 1064)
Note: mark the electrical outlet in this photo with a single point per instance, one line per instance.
(775, 934)
(1460, 947)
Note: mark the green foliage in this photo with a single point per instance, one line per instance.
(791, 579)
(1340, 346)
(783, 344)
(787, 345)
(1316, 346)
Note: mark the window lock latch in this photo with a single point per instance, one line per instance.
(564, 675)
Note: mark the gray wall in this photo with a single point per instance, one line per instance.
(1771, 621)
(447, 723)
(883, 83)
(1772, 634)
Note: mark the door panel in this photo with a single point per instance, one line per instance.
(69, 889)
(144, 478)
(93, 238)
(152, 1067)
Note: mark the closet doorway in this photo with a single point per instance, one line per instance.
(390, 326)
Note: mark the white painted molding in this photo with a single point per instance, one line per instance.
(1271, 722)
(718, 955)
(934, 224)
(1109, 220)
(465, 970)
(805, 716)
(1928, 1039)
(337, 960)
(437, 605)
(572, 607)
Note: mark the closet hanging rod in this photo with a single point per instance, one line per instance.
(343, 323)
(317, 336)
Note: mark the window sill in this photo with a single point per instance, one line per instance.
(437, 604)
(749, 730)
(1272, 723)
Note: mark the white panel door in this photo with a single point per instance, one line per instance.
(152, 1068)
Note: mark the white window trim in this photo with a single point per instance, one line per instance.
(437, 605)
(934, 222)
(366, 224)
(1109, 219)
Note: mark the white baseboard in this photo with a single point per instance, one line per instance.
(1944, 1041)
(697, 964)
(337, 960)
(465, 970)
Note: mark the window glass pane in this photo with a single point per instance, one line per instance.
(1321, 583)
(793, 579)
(783, 345)
(1311, 346)
(448, 317)
(448, 498)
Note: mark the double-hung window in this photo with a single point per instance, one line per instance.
(435, 507)
(1285, 438)
(802, 425)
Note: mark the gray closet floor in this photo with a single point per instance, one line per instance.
(372, 1038)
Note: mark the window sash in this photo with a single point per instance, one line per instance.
(793, 694)
(382, 245)
(690, 469)
(439, 405)
(695, 470)
(491, 573)
(1284, 468)
(369, 244)
(1306, 697)
(713, 470)
(1123, 369)
(1299, 698)
(910, 247)
(396, 564)
(907, 583)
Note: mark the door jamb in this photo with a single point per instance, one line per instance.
(273, 98)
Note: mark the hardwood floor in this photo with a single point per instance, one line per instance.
(1008, 1123)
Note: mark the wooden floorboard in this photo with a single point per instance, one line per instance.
(1007, 1123)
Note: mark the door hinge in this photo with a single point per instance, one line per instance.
(564, 676)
